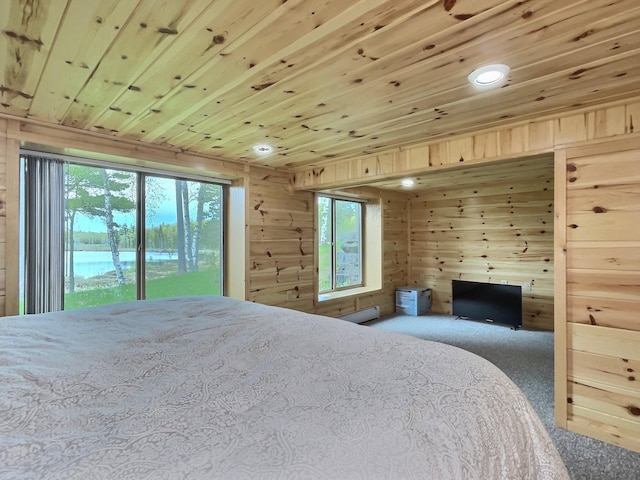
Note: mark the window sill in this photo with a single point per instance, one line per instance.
(323, 297)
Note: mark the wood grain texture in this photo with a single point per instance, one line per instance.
(3, 213)
(281, 243)
(599, 218)
(320, 80)
(355, 93)
(499, 230)
(11, 207)
(481, 149)
(394, 261)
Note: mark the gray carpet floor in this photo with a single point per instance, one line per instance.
(527, 358)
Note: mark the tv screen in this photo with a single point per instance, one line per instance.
(487, 301)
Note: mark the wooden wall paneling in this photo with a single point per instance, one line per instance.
(560, 288)
(605, 312)
(601, 426)
(592, 198)
(12, 223)
(3, 214)
(599, 393)
(395, 269)
(485, 145)
(460, 149)
(538, 310)
(336, 308)
(281, 242)
(600, 170)
(541, 135)
(632, 118)
(493, 231)
(603, 369)
(439, 154)
(418, 158)
(103, 147)
(602, 187)
(613, 284)
(612, 401)
(607, 122)
(9, 218)
(493, 145)
(513, 140)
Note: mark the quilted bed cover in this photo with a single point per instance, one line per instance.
(211, 387)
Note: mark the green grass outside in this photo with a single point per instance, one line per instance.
(324, 267)
(192, 283)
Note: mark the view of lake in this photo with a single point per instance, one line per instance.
(89, 263)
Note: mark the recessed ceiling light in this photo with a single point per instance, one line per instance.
(489, 75)
(407, 182)
(263, 149)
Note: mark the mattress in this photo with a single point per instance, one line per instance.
(212, 387)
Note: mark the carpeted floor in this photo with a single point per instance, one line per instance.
(527, 358)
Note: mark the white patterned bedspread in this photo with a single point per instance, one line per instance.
(210, 387)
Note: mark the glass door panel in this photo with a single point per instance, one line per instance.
(100, 236)
(183, 238)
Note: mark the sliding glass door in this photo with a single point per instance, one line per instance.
(183, 238)
(100, 236)
(122, 235)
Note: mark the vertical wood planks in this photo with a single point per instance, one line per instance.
(12, 221)
(560, 287)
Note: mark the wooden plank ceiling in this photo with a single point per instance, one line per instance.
(317, 79)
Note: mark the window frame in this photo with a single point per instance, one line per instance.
(333, 242)
(141, 174)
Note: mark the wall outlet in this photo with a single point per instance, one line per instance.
(423, 277)
(504, 282)
(290, 296)
(526, 286)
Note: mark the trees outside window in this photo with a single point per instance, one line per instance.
(129, 235)
(188, 227)
(340, 244)
(100, 208)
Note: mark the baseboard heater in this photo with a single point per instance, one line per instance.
(360, 316)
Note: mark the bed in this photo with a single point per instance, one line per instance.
(212, 387)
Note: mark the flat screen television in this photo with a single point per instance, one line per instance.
(488, 302)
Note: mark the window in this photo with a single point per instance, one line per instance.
(95, 235)
(340, 244)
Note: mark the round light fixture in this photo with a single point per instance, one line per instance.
(407, 182)
(489, 75)
(263, 149)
